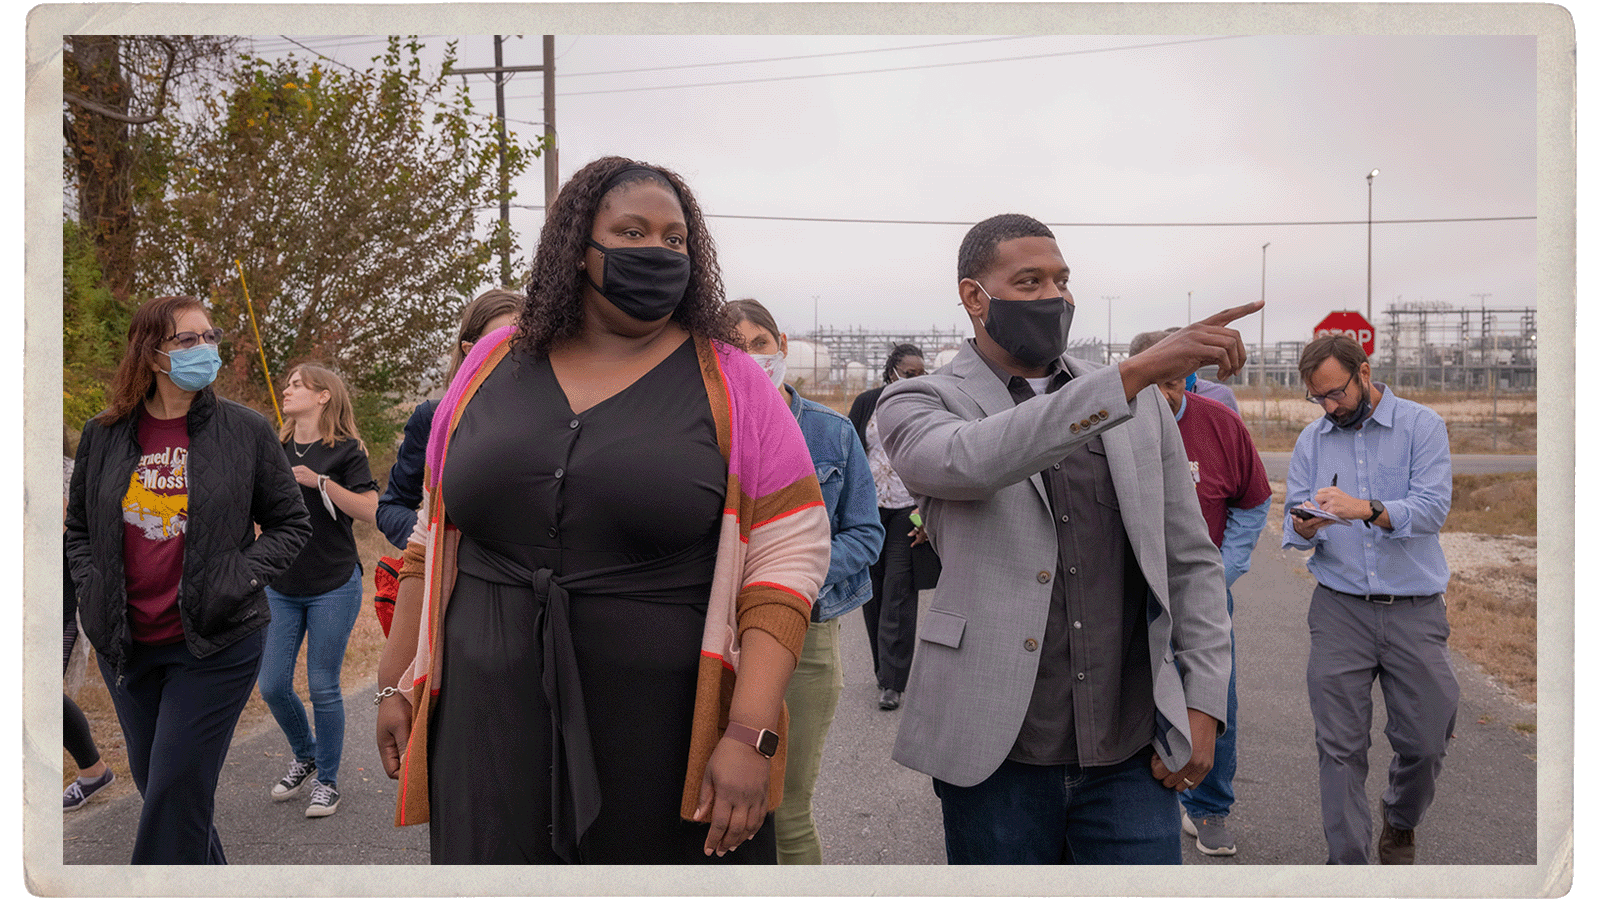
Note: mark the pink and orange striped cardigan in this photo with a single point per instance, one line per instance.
(771, 558)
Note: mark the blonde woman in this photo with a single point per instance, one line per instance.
(319, 596)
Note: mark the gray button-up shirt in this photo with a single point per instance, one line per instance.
(1092, 703)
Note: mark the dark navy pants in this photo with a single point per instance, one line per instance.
(178, 714)
(1083, 815)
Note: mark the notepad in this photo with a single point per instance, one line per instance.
(1324, 514)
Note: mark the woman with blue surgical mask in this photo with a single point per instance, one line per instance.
(180, 510)
(857, 538)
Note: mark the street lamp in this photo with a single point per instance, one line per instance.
(1261, 348)
(1370, 175)
(1108, 301)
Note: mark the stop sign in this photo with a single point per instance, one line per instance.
(1347, 322)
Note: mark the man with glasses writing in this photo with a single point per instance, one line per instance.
(1378, 608)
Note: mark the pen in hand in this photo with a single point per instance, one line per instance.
(1335, 480)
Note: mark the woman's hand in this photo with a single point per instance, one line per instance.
(394, 732)
(304, 476)
(733, 795)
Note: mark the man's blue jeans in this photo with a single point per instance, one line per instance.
(1213, 796)
(324, 620)
(1029, 815)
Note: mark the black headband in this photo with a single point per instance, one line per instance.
(629, 171)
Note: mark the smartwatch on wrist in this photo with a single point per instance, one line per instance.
(1377, 510)
(765, 742)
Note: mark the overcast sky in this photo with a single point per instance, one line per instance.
(1144, 153)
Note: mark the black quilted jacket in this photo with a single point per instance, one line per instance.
(238, 478)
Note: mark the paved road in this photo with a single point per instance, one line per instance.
(872, 811)
(1277, 464)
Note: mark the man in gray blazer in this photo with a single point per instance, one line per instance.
(1072, 672)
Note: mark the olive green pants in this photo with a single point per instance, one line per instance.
(812, 698)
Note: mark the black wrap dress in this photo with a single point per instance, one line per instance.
(621, 503)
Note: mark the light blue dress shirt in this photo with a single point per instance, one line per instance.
(1400, 456)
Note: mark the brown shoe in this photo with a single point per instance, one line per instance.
(1396, 846)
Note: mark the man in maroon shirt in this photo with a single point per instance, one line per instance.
(1234, 497)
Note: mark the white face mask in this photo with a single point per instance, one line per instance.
(774, 364)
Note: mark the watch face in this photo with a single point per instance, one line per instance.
(767, 744)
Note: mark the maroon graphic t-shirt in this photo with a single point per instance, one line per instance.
(155, 515)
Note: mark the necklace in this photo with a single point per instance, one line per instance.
(300, 454)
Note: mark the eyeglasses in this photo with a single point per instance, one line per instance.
(1335, 395)
(188, 340)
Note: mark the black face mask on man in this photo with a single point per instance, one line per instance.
(646, 283)
(1357, 415)
(1032, 331)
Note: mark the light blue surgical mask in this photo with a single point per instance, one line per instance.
(1191, 381)
(195, 367)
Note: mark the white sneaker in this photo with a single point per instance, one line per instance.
(324, 800)
(292, 783)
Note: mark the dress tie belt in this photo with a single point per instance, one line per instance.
(574, 778)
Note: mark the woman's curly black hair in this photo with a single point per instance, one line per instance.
(554, 309)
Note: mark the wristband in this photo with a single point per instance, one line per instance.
(765, 742)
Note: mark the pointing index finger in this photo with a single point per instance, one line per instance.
(1237, 312)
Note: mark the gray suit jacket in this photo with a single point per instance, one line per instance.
(971, 457)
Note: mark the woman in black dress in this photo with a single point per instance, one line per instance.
(907, 564)
(587, 483)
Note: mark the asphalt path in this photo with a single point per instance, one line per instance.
(872, 811)
(1277, 464)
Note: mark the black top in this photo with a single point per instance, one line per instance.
(328, 559)
(397, 508)
(633, 479)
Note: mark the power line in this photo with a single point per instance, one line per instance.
(317, 53)
(765, 59)
(845, 221)
(970, 62)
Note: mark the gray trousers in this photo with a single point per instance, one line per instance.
(1403, 645)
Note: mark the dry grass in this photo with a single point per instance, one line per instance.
(1495, 504)
(1496, 629)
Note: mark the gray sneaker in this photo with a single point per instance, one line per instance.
(1210, 834)
(291, 784)
(80, 790)
(324, 800)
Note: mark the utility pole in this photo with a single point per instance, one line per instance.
(499, 71)
(1262, 370)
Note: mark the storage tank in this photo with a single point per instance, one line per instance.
(856, 375)
(809, 364)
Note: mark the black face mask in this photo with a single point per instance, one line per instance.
(1357, 415)
(646, 283)
(1032, 331)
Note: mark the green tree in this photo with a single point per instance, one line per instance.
(349, 200)
(113, 86)
(94, 325)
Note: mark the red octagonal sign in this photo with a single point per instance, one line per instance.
(1347, 322)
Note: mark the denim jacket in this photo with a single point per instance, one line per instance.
(852, 502)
